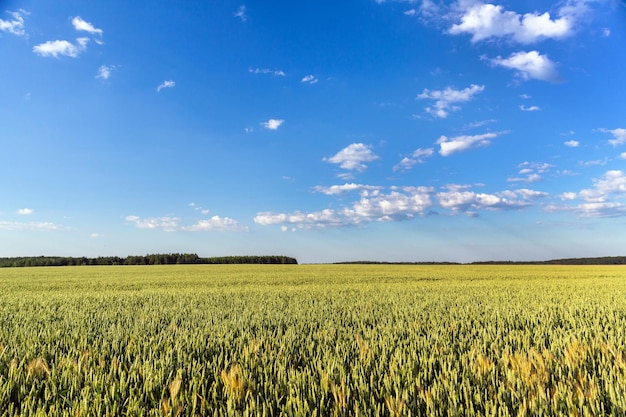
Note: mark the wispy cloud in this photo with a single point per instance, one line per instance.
(353, 158)
(417, 157)
(309, 79)
(445, 99)
(448, 146)
(33, 226)
(272, 124)
(15, 25)
(529, 65)
(274, 72)
(82, 25)
(105, 71)
(619, 136)
(529, 108)
(484, 21)
(166, 84)
(25, 211)
(531, 172)
(572, 143)
(241, 13)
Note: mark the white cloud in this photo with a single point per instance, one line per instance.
(241, 13)
(309, 79)
(166, 223)
(484, 21)
(216, 224)
(56, 48)
(353, 157)
(319, 219)
(531, 171)
(461, 143)
(35, 226)
(105, 71)
(622, 155)
(599, 201)
(25, 211)
(459, 200)
(14, 26)
(417, 157)
(273, 124)
(572, 143)
(166, 84)
(400, 204)
(172, 224)
(529, 108)
(274, 72)
(529, 65)
(445, 99)
(81, 25)
(619, 136)
(606, 32)
(347, 187)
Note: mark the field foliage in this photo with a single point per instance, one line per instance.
(313, 340)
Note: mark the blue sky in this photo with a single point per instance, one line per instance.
(328, 131)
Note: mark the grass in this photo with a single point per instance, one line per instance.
(313, 340)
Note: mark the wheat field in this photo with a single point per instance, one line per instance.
(313, 340)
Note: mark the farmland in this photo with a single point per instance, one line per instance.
(325, 340)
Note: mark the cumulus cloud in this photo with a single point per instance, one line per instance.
(166, 223)
(529, 65)
(274, 72)
(105, 71)
(25, 211)
(529, 108)
(347, 187)
(484, 21)
(448, 146)
(216, 224)
(460, 200)
(241, 13)
(273, 124)
(572, 143)
(445, 99)
(309, 79)
(60, 48)
(394, 206)
(15, 25)
(81, 25)
(417, 157)
(166, 84)
(172, 224)
(353, 157)
(401, 204)
(600, 201)
(619, 136)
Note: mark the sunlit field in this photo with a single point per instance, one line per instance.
(313, 340)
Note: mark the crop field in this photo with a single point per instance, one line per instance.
(313, 340)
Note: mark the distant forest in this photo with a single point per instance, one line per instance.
(606, 260)
(154, 259)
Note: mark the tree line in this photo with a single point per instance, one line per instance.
(152, 259)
